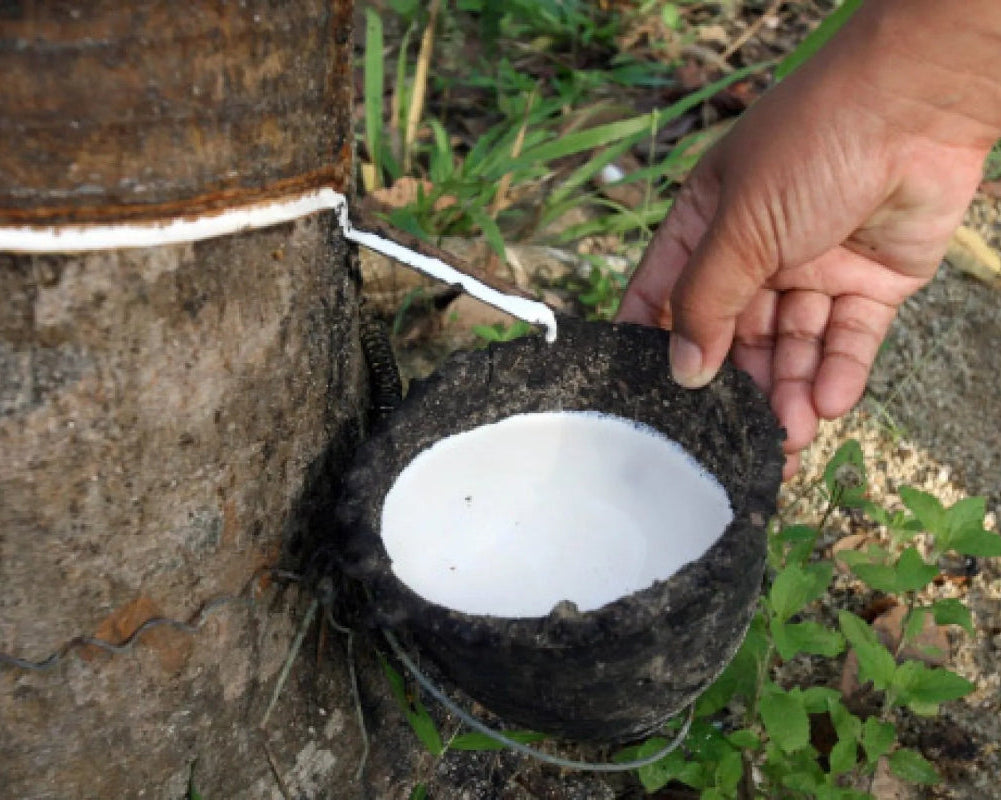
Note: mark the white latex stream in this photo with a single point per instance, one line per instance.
(84, 238)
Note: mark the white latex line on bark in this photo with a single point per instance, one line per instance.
(125, 235)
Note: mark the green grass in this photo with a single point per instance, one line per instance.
(992, 166)
(550, 75)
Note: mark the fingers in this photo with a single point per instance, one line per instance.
(722, 278)
(754, 339)
(856, 328)
(801, 321)
(647, 299)
(823, 353)
(791, 466)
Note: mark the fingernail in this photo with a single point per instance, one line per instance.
(686, 363)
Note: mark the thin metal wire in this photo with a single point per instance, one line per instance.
(588, 766)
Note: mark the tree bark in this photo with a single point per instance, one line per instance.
(170, 418)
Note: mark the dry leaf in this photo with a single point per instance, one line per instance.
(405, 192)
(931, 645)
(713, 34)
(886, 785)
(854, 541)
(969, 253)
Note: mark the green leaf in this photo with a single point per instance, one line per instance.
(817, 699)
(912, 571)
(900, 524)
(490, 231)
(873, 554)
(705, 742)
(921, 687)
(406, 220)
(801, 540)
(845, 476)
(413, 709)
(876, 664)
(980, 542)
(729, 771)
(961, 528)
(798, 771)
(844, 756)
(442, 160)
(846, 724)
(820, 574)
(816, 39)
(877, 738)
(672, 767)
(915, 623)
(785, 719)
(425, 729)
(584, 173)
(373, 85)
(419, 792)
(952, 611)
(966, 513)
(806, 637)
(928, 510)
(909, 574)
(481, 742)
(741, 675)
(795, 587)
(745, 739)
(624, 221)
(913, 767)
(633, 129)
(880, 577)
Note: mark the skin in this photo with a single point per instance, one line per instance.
(833, 198)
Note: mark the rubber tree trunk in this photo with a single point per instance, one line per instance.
(168, 416)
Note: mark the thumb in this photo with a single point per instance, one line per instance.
(721, 278)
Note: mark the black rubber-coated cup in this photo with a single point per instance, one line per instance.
(618, 672)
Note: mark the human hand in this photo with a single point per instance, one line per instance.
(796, 237)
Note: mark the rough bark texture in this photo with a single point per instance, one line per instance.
(164, 414)
(113, 110)
(171, 419)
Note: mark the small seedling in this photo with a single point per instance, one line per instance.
(771, 751)
(499, 332)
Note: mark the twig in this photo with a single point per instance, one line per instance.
(273, 763)
(708, 56)
(420, 85)
(355, 693)
(292, 653)
(752, 29)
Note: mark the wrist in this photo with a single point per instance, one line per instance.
(927, 67)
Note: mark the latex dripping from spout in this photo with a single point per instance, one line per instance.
(523, 308)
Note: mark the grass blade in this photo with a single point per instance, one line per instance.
(817, 39)
(633, 129)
